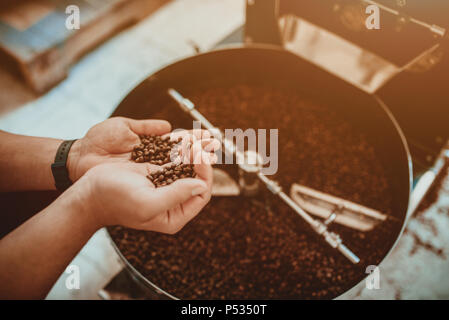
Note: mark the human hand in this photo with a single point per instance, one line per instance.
(110, 141)
(120, 194)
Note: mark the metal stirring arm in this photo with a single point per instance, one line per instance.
(331, 238)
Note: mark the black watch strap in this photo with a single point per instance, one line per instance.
(59, 167)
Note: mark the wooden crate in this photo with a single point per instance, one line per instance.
(34, 37)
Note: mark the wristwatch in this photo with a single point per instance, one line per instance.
(59, 167)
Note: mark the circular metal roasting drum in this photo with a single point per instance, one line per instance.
(332, 137)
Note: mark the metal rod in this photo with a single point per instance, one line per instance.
(331, 238)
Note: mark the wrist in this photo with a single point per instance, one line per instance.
(79, 198)
(73, 160)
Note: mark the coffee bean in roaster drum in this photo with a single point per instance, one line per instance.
(257, 248)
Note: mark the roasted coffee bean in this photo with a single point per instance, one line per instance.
(257, 248)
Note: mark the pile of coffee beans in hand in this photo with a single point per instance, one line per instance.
(171, 173)
(155, 149)
(160, 151)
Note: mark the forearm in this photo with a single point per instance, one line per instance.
(34, 255)
(25, 162)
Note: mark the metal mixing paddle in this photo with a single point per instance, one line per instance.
(333, 239)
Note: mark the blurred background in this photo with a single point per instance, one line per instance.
(58, 82)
